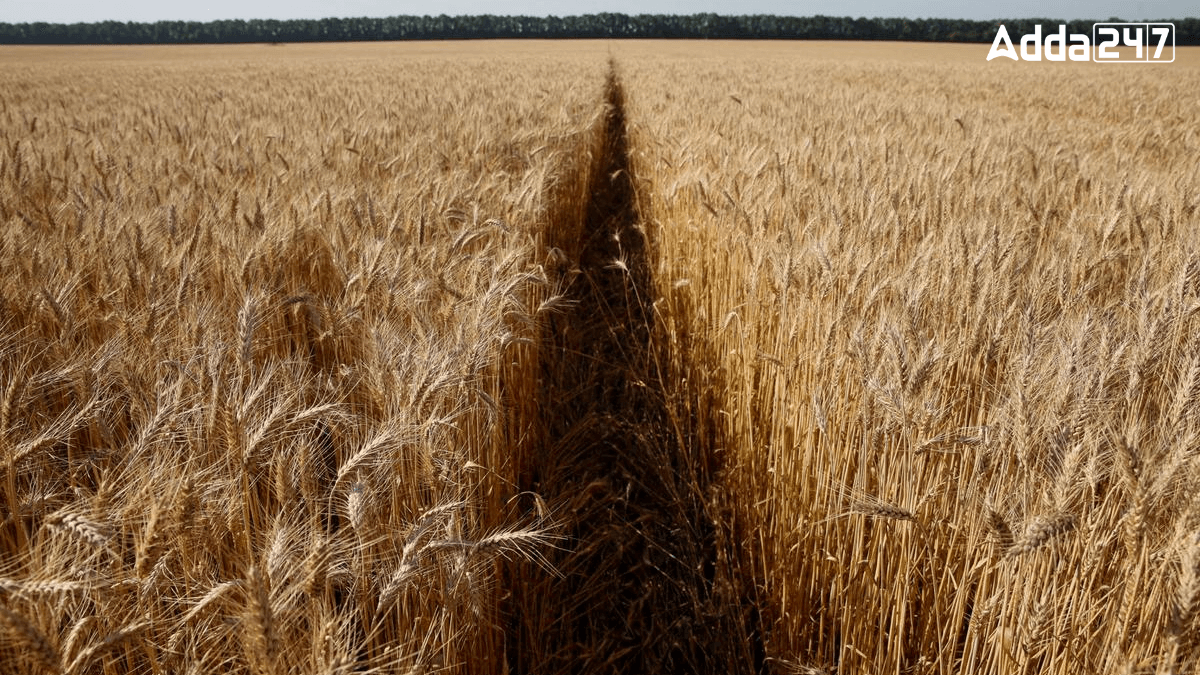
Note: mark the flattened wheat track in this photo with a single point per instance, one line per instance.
(635, 591)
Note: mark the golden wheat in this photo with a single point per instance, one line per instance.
(262, 311)
(909, 274)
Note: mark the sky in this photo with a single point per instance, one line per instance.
(72, 11)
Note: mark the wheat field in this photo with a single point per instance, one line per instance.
(586, 357)
(949, 323)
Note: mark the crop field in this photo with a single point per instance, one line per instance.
(597, 357)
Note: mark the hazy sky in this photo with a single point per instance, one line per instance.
(70, 11)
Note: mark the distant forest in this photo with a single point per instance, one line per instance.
(695, 26)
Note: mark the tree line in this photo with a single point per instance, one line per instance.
(694, 26)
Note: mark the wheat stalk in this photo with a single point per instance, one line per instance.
(1041, 532)
(34, 642)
